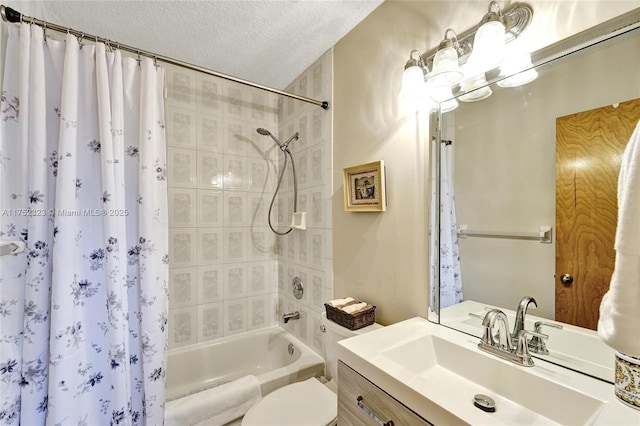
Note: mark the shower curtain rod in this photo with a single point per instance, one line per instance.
(12, 15)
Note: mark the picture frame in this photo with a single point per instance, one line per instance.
(364, 188)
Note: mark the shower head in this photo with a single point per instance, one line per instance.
(265, 132)
(295, 137)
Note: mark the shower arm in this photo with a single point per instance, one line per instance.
(11, 15)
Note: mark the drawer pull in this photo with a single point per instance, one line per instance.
(372, 414)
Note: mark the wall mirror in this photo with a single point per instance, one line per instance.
(533, 172)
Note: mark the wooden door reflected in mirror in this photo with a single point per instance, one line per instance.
(589, 148)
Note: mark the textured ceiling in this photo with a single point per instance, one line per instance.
(267, 42)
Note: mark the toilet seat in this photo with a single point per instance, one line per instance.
(307, 403)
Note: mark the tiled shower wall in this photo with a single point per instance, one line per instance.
(228, 272)
(307, 254)
(223, 260)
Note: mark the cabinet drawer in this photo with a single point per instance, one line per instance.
(359, 401)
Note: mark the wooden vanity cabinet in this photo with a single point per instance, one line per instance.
(360, 402)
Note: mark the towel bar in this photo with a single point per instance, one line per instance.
(543, 236)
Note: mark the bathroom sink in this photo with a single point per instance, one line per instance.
(573, 347)
(461, 372)
(437, 372)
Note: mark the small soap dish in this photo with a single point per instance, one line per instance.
(299, 220)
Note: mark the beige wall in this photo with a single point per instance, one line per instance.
(383, 257)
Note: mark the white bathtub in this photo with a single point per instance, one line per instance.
(263, 353)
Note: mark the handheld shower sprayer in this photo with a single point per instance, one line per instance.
(284, 147)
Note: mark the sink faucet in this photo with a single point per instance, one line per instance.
(500, 344)
(518, 326)
(293, 315)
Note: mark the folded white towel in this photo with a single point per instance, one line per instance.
(339, 302)
(350, 309)
(215, 406)
(619, 322)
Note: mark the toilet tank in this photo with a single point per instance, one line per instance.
(333, 333)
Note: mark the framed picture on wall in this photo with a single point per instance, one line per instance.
(364, 188)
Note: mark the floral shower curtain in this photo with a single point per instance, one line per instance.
(83, 310)
(450, 275)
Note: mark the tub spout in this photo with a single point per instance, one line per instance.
(293, 315)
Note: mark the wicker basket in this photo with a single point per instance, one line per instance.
(351, 321)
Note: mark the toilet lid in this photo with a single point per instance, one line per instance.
(307, 403)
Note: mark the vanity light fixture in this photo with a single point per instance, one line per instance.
(460, 61)
(489, 41)
(446, 69)
(475, 89)
(413, 78)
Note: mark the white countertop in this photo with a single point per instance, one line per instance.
(443, 396)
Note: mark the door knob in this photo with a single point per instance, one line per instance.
(567, 279)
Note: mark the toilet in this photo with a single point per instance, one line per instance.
(310, 402)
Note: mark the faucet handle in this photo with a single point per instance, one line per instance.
(522, 350)
(501, 337)
(537, 326)
(471, 314)
(536, 345)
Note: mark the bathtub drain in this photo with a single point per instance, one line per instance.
(290, 348)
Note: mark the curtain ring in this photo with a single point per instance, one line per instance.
(138, 59)
(44, 31)
(155, 60)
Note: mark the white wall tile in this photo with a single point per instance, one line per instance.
(210, 207)
(210, 283)
(209, 93)
(259, 279)
(210, 245)
(303, 324)
(234, 170)
(317, 248)
(209, 133)
(315, 217)
(235, 209)
(235, 280)
(182, 167)
(302, 245)
(210, 321)
(182, 207)
(235, 101)
(182, 247)
(182, 287)
(235, 244)
(181, 127)
(182, 327)
(181, 87)
(210, 171)
(317, 165)
(235, 316)
(259, 311)
(260, 177)
(262, 244)
(235, 136)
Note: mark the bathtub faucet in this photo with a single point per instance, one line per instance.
(292, 315)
